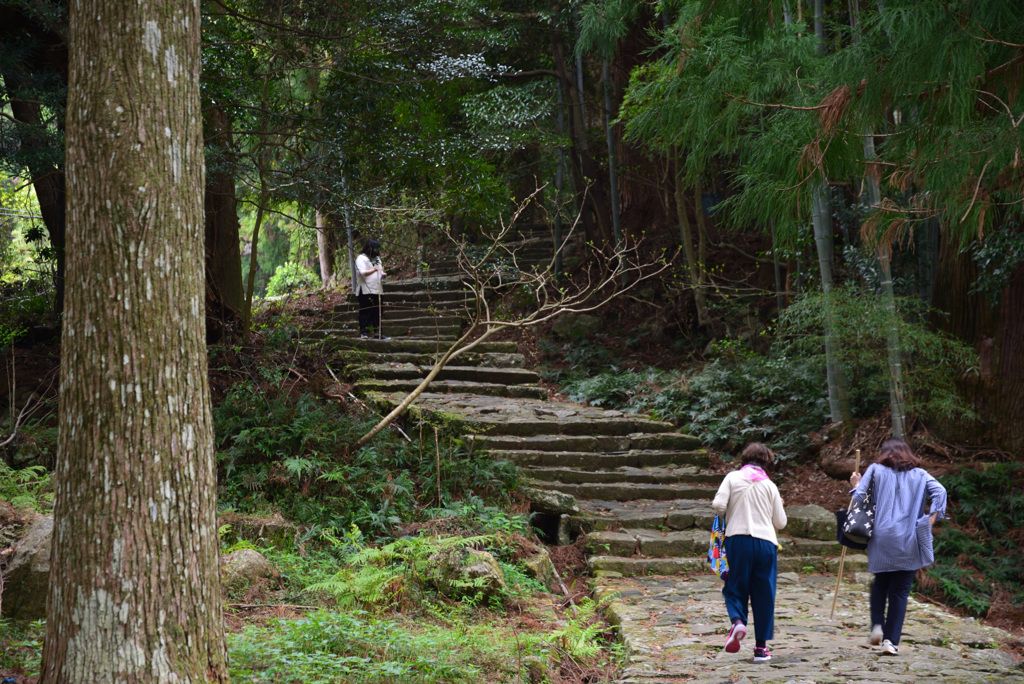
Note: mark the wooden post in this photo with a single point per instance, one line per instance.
(842, 558)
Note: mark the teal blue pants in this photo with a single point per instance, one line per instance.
(753, 567)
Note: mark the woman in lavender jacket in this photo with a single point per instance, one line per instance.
(902, 539)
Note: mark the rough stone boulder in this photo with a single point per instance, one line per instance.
(241, 568)
(573, 326)
(27, 575)
(274, 531)
(812, 522)
(549, 501)
(540, 567)
(459, 572)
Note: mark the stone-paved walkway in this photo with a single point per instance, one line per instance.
(675, 627)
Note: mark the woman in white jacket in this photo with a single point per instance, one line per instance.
(753, 511)
(369, 272)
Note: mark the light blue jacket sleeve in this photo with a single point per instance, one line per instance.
(937, 493)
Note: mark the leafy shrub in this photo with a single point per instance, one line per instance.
(860, 325)
(21, 646)
(736, 399)
(982, 554)
(278, 452)
(614, 388)
(26, 488)
(394, 574)
(289, 277)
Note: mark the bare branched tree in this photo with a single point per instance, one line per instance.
(488, 269)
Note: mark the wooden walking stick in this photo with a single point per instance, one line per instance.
(842, 558)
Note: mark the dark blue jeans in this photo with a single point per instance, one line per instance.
(893, 587)
(753, 566)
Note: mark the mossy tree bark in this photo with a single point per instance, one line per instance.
(134, 591)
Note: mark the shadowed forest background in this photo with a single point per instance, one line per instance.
(832, 190)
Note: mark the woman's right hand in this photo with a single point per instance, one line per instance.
(854, 479)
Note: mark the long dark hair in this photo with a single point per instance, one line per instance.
(371, 248)
(896, 454)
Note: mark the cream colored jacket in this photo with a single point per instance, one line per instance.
(753, 508)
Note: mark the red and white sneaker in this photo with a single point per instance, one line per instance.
(736, 634)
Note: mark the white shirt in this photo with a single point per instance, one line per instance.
(366, 284)
(753, 508)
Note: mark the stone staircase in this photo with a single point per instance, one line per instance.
(640, 491)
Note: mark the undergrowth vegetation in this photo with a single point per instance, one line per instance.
(280, 452)
(977, 560)
(778, 396)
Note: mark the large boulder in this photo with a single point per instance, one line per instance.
(550, 501)
(813, 522)
(540, 567)
(27, 576)
(243, 567)
(459, 572)
(574, 326)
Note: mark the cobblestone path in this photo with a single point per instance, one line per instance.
(675, 627)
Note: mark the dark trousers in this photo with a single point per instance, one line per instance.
(893, 587)
(753, 567)
(369, 314)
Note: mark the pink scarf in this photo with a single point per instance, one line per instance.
(753, 473)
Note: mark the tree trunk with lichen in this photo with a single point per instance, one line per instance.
(135, 590)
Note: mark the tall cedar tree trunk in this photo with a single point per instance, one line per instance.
(892, 340)
(838, 396)
(134, 587)
(225, 298)
(325, 248)
(585, 168)
(996, 391)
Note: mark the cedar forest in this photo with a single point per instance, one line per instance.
(799, 222)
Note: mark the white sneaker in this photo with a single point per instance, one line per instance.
(876, 635)
(889, 648)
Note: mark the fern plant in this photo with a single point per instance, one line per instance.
(390, 575)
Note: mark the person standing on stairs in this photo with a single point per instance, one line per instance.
(753, 511)
(369, 272)
(901, 542)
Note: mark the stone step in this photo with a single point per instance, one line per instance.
(624, 491)
(606, 565)
(428, 283)
(417, 346)
(624, 474)
(485, 360)
(390, 387)
(410, 318)
(477, 374)
(689, 542)
(636, 458)
(389, 328)
(351, 342)
(805, 523)
(650, 543)
(672, 514)
(611, 435)
(419, 299)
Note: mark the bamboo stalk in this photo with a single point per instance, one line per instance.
(842, 558)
